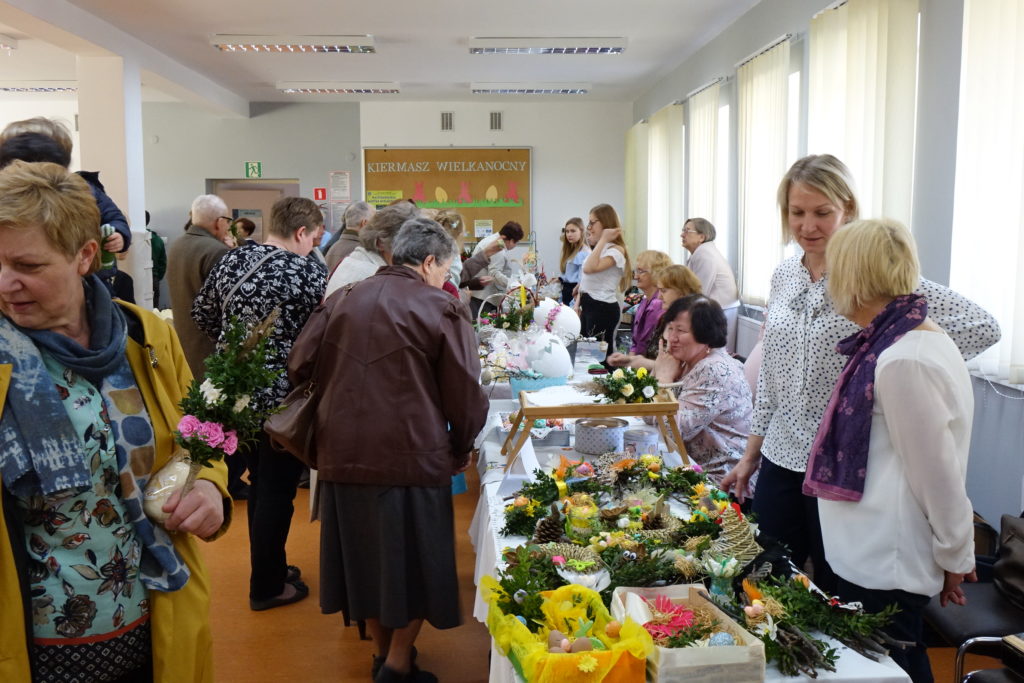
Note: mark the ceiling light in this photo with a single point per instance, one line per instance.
(38, 86)
(530, 88)
(248, 43)
(8, 43)
(338, 88)
(546, 46)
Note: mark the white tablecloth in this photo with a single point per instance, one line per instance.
(485, 532)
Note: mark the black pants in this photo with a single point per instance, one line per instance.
(599, 319)
(567, 288)
(907, 624)
(273, 479)
(785, 513)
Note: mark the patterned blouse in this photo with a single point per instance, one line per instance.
(714, 412)
(801, 365)
(286, 280)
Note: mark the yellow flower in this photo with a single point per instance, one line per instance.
(587, 664)
(700, 490)
(627, 390)
(619, 374)
(641, 373)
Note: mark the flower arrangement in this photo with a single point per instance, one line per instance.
(515, 320)
(521, 516)
(626, 385)
(218, 413)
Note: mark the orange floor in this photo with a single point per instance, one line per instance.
(297, 643)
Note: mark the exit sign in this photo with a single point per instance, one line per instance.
(254, 169)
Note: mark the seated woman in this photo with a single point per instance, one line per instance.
(714, 398)
(673, 282)
(387, 543)
(890, 455)
(87, 582)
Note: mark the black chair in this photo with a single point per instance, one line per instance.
(980, 625)
(1012, 673)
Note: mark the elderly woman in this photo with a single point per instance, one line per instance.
(89, 392)
(801, 364)
(249, 283)
(891, 452)
(374, 250)
(387, 542)
(711, 268)
(714, 397)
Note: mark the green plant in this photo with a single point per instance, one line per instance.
(528, 572)
(626, 385)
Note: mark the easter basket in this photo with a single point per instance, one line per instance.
(618, 658)
(741, 662)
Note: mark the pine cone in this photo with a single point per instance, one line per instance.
(549, 529)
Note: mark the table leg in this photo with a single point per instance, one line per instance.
(516, 421)
(514, 453)
(674, 426)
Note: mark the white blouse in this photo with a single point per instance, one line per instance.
(914, 519)
(801, 364)
(716, 277)
(604, 286)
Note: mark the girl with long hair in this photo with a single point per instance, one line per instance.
(574, 252)
(607, 273)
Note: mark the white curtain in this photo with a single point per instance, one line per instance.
(702, 150)
(763, 90)
(665, 181)
(634, 213)
(987, 251)
(861, 99)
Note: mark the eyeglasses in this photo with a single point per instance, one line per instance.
(589, 223)
(691, 231)
(641, 271)
(228, 218)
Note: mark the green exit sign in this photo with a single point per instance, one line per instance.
(254, 169)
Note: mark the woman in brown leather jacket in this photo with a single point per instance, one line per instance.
(400, 407)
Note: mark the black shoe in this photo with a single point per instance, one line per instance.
(389, 675)
(293, 574)
(378, 662)
(301, 593)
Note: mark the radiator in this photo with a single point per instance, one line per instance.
(747, 331)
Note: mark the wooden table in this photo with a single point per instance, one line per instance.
(663, 410)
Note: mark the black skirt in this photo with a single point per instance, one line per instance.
(388, 553)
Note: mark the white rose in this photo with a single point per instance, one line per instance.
(210, 392)
(241, 402)
(648, 391)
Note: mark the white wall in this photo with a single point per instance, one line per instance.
(185, 145)
(63, 108)
(578, 150)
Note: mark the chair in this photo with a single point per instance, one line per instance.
(980, 625)
(1013, 673)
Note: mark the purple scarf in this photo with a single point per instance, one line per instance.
(839, 455)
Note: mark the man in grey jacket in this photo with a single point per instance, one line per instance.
(189, 260)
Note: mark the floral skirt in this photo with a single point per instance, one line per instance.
(388, 553)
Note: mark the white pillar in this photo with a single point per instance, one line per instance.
(110, 134)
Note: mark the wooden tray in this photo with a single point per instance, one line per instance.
(663, 411)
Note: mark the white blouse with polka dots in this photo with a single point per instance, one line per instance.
(801, 364)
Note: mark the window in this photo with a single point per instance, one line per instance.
(861, 98)
(665, 181)
(763, 95)
(987, 250)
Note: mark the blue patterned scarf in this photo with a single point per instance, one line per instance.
(839, 455)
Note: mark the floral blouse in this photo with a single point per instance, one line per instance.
(801, 364)
(84, 556)
(286, 280)
(714, 412)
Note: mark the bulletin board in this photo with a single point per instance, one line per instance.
(489, 186)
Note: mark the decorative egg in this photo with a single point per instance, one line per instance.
(519, 596)
(522, 619)
(581, 645)
(613, 628)
(548, 356)
(566, 323)
(566, 645)
(555, 638)
(721, 639)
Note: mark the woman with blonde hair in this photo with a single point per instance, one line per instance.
(574, 253)
(800, 366)
(891, 452)
(606, 275)
(648, 313)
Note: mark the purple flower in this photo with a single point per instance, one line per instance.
(212, 433)
(695, 466)
(188, 426)
(230, 444)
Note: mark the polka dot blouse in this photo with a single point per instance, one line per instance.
(801, 365)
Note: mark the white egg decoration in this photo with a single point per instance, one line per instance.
(548, 356)
(566, 324)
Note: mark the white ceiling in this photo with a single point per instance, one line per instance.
(420, 44)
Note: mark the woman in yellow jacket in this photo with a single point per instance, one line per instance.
(89, 390)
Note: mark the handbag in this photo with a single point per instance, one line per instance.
(1008, 571)
(293, 427)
